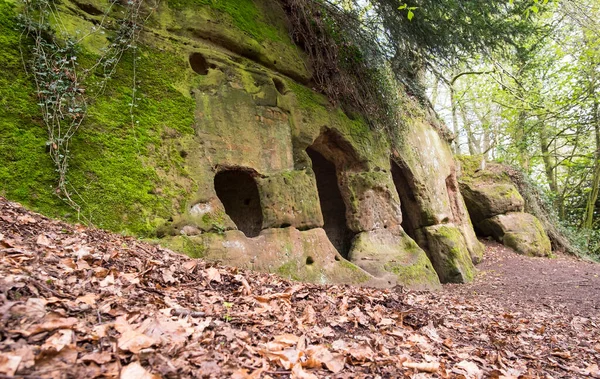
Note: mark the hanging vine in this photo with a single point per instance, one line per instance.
(51, 56)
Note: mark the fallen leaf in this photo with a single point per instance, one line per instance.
(213, 274)
(59, 340)
(134, 341)
(52, 322)
(299, 373)
(43, 240)
(562, 354)
(189, 266)
(9, 363)
(468, 369)
(108, 281)
(430, 367)
(97, 357)
(274, 296)
(136, 371)
(89, 299)
(362, 353)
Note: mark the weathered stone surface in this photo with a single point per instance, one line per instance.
(449, 253)
(196, 21)
(522, 232)
(424, 173)
(395, 258)
(496, 207)
(426, 161)
(299, 255)
(290, 199)
(372, 201)
(485, 199)
(222, 91)
(475, 248)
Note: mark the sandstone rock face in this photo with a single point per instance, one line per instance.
(520, 231)
(299, 255)
(496, 208)
(424, 172)
(485, 200)
(263, 172)
(448, 253)
(395, 258)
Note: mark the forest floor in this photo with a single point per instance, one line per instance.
(78, 302)
(562, 284)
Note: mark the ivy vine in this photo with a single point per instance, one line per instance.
(50, 54)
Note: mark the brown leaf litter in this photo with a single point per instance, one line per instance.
(78, 302)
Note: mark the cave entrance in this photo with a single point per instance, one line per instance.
(408, 202)
(332, 203)
(238, 192)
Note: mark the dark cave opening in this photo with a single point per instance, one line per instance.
(238, 192)
(332, 203)
(199, 64)
(280, 86)
(408, 202)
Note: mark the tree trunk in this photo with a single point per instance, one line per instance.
(547, 158)
(473, 149)
(588, 220)
(455, 145)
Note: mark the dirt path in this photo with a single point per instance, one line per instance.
(563, 284)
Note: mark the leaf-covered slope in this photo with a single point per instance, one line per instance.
(87, 303)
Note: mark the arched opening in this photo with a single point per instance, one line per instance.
(332, 203)
(238, 192)
(411, 213)
(199, 64)
(280, 86)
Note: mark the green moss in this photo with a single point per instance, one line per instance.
(289, 270)
(418, 272)
(306, 98)
(124, 174)
(71, 26)
(290, 197)
(452, 260)
(190, 246)
(214, 221)
(244, 15)
(134, 166)
(469, 163)
(347, 265)
(26, 171)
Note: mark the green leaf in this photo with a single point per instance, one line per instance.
(410, 15)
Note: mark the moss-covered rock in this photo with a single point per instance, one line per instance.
(299, 255)
(127, 173)
(433, 206)
(522, 232)
(253, 29)
(395, 258)
(485, 200)
(290, 198)
(219, 87)
(496, 207)
(487, 193)
(372, 201)
(449, 254)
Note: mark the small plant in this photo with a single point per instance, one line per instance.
(227, 317)
(409, 11)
